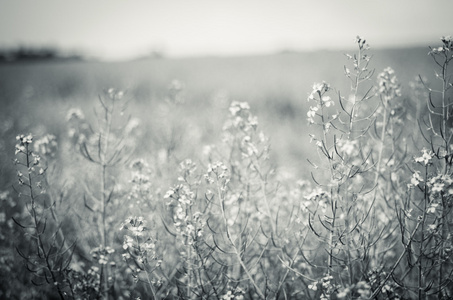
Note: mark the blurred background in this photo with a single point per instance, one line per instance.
(57, 55)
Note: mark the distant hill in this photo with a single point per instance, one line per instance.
(35, 54)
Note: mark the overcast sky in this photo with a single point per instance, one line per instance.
(117, 29)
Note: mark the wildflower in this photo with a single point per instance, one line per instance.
(209, 180)
(318, 88)
(219, 169)
(432, 228)
(343, 293)
(446, 47)
(229, 295)
(23, 141)
(36, 159)
(128, 242)
(347, 146)
(388, 84)
(363, 289)
(236, 107)
(139, 164)
(311, 114)
(313, 286)
(437, 187)
(115, 94)
(416, 178)
(46, 146)
(103, 260)
(327, 101)
(169, 193)
(432, 208)
(425, 158)
(138, 231)
(148, 246)
(75, 114)
(357, 39)
(180, 213)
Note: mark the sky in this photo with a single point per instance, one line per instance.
(123, 29)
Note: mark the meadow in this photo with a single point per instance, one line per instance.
(313, 175)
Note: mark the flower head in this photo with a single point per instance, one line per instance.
(425, 158)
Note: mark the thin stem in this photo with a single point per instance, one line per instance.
(236, 251)
(41, 247)
(381, 148)
(146, 271)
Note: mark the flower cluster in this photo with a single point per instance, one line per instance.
(188, 224)
(102, 255)
(426, 157)
(24, 141)
(217, 171)
(311, 114)
(29, 163)
(348, 147)
(47, 146)
(6, 198)
(84, 284)
(361, 42)
(326, 286)
(363, 289)
(139, 246)
(415, 179)
(241, 117)
(75, 114)
(241, 134)
(388, 86)
(376, 279)
(140, 193)
(135, 225)
(318, 90)
(187, 170)
(236, 293)
(79, 130)
(318, 197)
(447, 46)
(441, 184)
(115, 94)
(318, 94)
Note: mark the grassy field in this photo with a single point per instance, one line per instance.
(194, 183)
(35, 97)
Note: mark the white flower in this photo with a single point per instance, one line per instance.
(327, 101)
(432, 208)
(168, 194)
(128, 242)
(311, 114)
(313, 286)
(425, 158)
(75, 113)
(416, 178)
